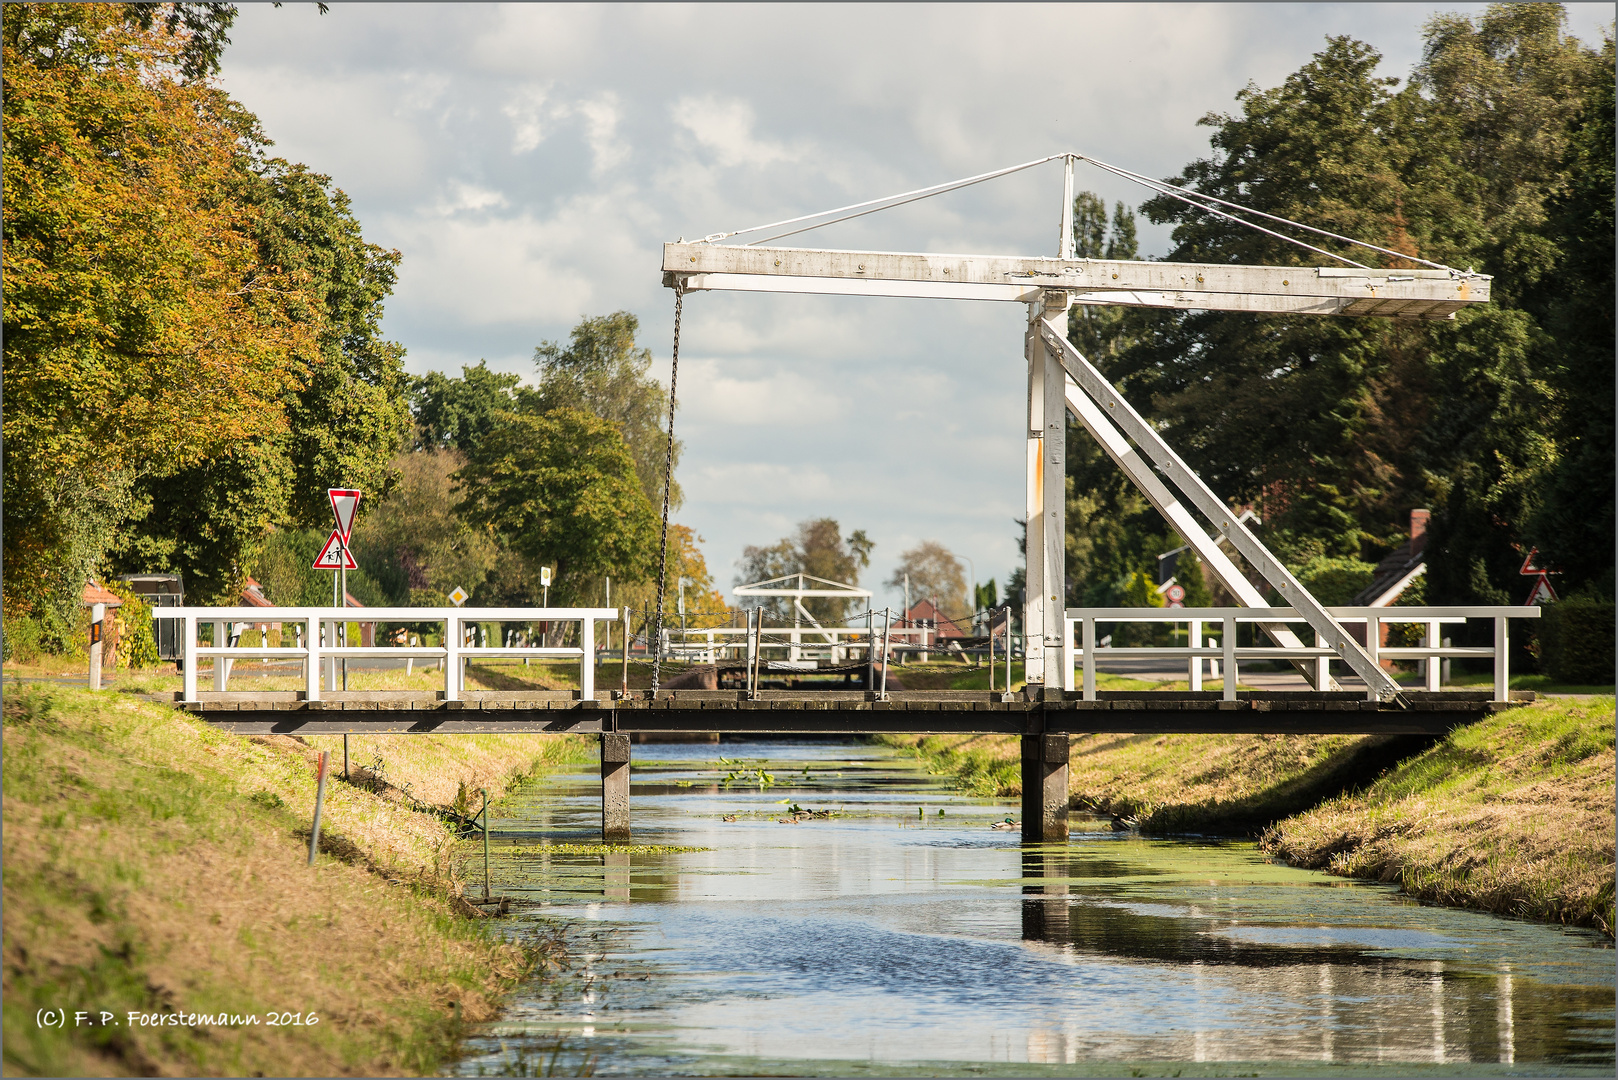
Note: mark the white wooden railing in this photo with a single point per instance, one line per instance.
(1226, 653)
(315, 629)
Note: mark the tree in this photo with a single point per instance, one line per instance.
(346, 416)
(1336, 428)
(934, 573)
(560, 489)
(818, 549)
(458, 413)
(602, 371)
(414, 544)
(1573, 525)
(141, 330)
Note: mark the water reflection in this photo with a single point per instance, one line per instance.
(890, 934)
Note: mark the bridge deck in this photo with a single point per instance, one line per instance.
(785, 712)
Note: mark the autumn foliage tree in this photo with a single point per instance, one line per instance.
(162, 353)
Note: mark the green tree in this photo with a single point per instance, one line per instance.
(458, 413)
(416, 546)
(602, 371)
(560, 489)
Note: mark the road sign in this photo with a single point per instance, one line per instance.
(545, 576)
(1541, 593)
(335, 555)
(344, 502)
(459, 596)
(1175, 594)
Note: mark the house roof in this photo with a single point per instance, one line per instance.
(95, 594)
(253, 595)
(1397, 570)
(927, 611)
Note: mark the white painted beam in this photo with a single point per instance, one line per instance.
(1431, 294)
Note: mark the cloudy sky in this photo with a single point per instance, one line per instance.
(529, 160)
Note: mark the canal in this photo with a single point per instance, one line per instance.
(845, 913)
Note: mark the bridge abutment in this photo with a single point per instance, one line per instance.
(1044, 787)
(615, 788)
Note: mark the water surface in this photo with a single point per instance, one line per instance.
(892, 939)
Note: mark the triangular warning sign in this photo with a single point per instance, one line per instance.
(335, 555)
(1542, 593)
(344, 502)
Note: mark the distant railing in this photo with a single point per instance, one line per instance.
(316, 630)
(1229, 655)
(714, 645)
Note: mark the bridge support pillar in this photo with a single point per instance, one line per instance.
(1044, 788)
(615, 788)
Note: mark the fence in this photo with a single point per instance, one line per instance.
(799, 643)
(317, 632)
(1229, 655)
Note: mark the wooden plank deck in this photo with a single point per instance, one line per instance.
(859, 712)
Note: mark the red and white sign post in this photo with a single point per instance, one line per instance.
(337, 557)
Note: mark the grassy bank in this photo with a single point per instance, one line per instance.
(1513, 815)
(157, 866)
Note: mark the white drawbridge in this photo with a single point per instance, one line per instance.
(1061, 381)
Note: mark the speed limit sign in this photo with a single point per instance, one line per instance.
(1175, 595)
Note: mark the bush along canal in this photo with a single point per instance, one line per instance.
(824, 908)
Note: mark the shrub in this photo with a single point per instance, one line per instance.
(21, 639)
(137, 648)
(1576, 641)
(1334, 582)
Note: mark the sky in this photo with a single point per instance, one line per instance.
(529, 161)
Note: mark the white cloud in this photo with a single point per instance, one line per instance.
(725, 126)
(525, 111)
(463, 197)
(601, 115)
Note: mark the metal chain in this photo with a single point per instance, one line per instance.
(668, 480)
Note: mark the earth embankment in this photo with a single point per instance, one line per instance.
(158, 904)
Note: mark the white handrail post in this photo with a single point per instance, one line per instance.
(221, 638)
(1373, 646)
(1089, 658)
(587, 669)
(452, 658)
(1194, 639)
(1069, 661)
(311, 660)
(1322, 664)
(1502, 659)
(188, 656)
(1434, 666)
(1229, 647)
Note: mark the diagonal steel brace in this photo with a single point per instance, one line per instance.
(1380, 686)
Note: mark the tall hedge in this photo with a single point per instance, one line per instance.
(1576, 641)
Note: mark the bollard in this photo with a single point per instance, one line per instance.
(320, 796)
(98, 612)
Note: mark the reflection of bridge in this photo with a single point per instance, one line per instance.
(1042, 716)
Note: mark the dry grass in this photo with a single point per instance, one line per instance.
(154, 864)
(1513, 814)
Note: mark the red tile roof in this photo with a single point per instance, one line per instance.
(95, 594)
